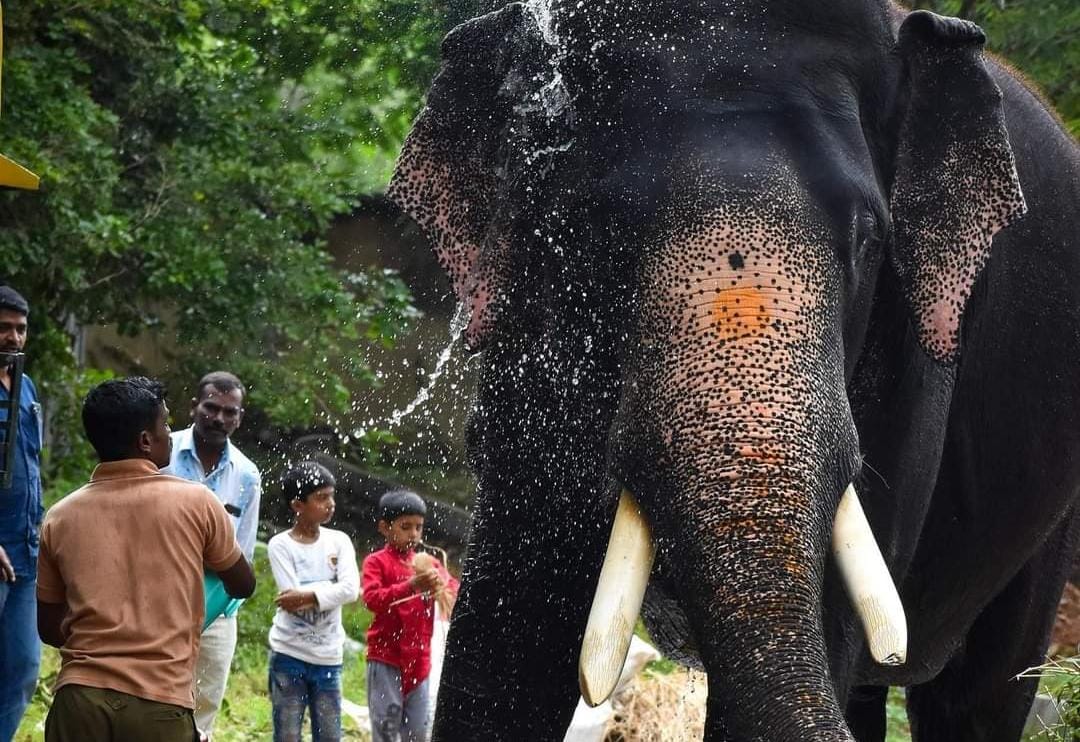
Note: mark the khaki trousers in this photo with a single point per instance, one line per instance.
(83, 714)
(216, 648)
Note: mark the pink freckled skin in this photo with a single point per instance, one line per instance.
(943, 322)
(735, 348)
(454, 248)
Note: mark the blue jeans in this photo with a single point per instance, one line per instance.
(296, 685)
(20, 651)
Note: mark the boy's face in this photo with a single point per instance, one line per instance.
(404, 532)
(318, 508)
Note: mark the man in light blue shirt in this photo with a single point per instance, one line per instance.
(203, 453)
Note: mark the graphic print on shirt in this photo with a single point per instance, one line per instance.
(313, 619)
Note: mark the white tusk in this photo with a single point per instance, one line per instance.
(617, 603)
(868, 582)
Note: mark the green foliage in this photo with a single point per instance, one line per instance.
(192, 155)
(897, 728)
(67, 458)
(1038, 37)
(1060, 679)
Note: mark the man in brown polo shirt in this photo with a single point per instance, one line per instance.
(120, 578)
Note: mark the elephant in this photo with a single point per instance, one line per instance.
(731, 258)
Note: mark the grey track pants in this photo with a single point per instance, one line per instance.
(394, 719)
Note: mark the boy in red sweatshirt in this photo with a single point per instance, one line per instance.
(399, 639)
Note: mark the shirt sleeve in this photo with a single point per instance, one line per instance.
(248, 527)
(282, 565)
(378, 595)
(50, 585)
(220, 550)
(347, 588)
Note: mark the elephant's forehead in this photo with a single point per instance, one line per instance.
(742, 278)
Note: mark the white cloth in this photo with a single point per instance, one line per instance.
(440, 629)
(328, 569)
(588, 723)
(216, 648)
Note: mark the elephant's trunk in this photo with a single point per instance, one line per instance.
(751, 583)
(737, 404)
(743, 511)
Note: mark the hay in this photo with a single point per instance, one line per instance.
(660, 708)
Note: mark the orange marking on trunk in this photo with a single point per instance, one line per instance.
(760, 455)
(742, 311)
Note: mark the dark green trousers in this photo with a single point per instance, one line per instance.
(82, 714)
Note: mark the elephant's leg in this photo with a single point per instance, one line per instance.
(976, 697)
(866, 712)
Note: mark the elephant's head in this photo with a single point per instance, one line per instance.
(721, 187)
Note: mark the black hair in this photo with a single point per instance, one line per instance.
(223, 381)
(397, 503)
(304, 478)
(14, 301)
(115, 412)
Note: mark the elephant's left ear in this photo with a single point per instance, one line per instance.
(955, 184)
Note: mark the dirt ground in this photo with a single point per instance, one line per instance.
(1066, 637)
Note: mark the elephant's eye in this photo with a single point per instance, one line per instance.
(869, 229)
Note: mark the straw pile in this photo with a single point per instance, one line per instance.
(660, 708)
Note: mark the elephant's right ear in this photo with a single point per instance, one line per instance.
(955, 184)
(452, 174)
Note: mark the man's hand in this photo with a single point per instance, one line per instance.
(7, 572)
(425, 581)
(296, 600)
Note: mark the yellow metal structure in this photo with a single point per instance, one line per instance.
(12, 174)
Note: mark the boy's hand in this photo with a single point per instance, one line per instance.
(425, 581)
(296, 600)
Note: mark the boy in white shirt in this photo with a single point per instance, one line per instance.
(316, 573)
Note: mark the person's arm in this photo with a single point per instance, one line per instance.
(450, 582)
(450, 586)
(50, 623)
(347, 588)
(51, 592)
(221, 553)
(282, 566)
(248, 526)
(239, 579)
(289, 597)
(377, 594)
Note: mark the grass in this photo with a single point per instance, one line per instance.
(1060, 679)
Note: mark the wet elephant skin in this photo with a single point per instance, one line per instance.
(733, 256)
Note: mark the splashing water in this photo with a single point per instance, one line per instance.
(457, 326)
(553, 97)
(541, 12)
